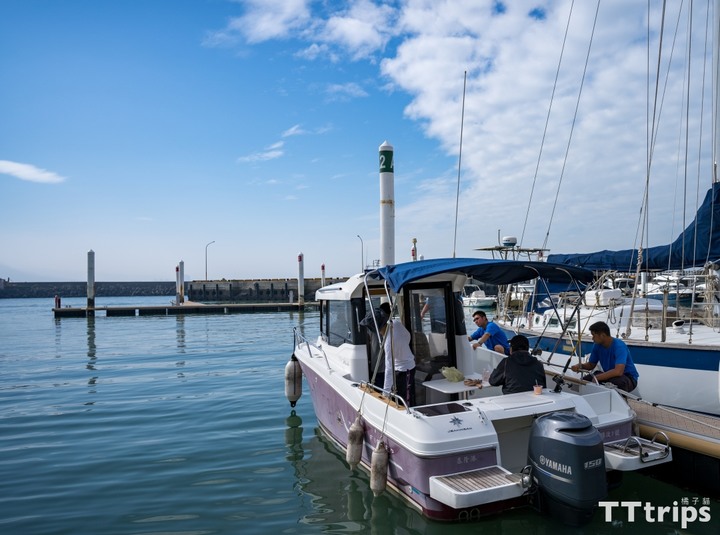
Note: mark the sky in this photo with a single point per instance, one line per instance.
(233, 135)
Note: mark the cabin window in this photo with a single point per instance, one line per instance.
(433, 313)
(337, 328)
(555, 322)
(433, 320)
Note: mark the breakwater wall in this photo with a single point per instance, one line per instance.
(228, 291)
(13, 290)
(254, 290)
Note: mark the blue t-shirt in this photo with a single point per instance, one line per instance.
(617, 353)
(497, 337)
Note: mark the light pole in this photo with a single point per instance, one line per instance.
(362, 254)
(208, 245)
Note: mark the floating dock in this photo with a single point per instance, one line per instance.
(184, 309)
(695, 439)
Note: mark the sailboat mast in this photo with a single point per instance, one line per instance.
(716, 88)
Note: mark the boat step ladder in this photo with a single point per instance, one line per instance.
(635, 452)
(476, 487)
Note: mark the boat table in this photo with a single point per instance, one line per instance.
(455, 387)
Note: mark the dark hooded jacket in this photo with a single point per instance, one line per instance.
(518, 373)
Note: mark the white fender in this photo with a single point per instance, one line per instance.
(293, 380)
(378, 469)
(353, 454)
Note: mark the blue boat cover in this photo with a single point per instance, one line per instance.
(697, 245)
(492, 271)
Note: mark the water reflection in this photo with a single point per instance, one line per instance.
(293, 437)
(180, 332)
(92, 356)
(341, 499)
(91, 346)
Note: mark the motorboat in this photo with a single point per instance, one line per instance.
(463, 450)
(474, 297)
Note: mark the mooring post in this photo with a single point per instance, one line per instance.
(180, 283)
(90, 312)
(301, 281)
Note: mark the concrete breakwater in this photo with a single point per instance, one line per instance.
(14, 290)
(254, 290)
(229, 291)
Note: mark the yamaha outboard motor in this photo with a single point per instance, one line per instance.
(568, 466)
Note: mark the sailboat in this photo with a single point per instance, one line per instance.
(674, 340)
(678, 357)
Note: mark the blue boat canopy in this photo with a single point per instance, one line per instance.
(696, 246)
(493, 271)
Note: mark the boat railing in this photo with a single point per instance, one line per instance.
(386, 395)
(300, 341)
(646, 451)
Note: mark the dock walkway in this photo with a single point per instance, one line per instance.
(690, 430)
(184, 309)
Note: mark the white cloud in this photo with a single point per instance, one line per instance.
(364, 29)
(270, 153)
(345, 91)
(28, 172)
(360, 28)
(264, 20)
(295, 130)
(316, 51)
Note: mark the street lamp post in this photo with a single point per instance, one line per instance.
(206, 247)
(362, 254)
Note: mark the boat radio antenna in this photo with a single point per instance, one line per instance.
(457, 197)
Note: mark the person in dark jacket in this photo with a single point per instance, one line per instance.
(519, 372)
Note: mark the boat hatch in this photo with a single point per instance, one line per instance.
(441, 410)
(477, 487)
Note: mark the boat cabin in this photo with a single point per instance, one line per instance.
(432, 311)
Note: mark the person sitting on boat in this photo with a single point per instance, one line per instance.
(614, 358)
(396, 345)
(488, 333)
(521, 372)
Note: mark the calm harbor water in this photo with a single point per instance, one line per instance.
(158, 425)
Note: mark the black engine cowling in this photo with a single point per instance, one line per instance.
(568, 466)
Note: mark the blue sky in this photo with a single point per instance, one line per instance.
(144, 130)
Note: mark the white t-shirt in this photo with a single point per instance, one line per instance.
(397, 348)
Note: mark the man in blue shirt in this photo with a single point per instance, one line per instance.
(489, 334)
(614, 358)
